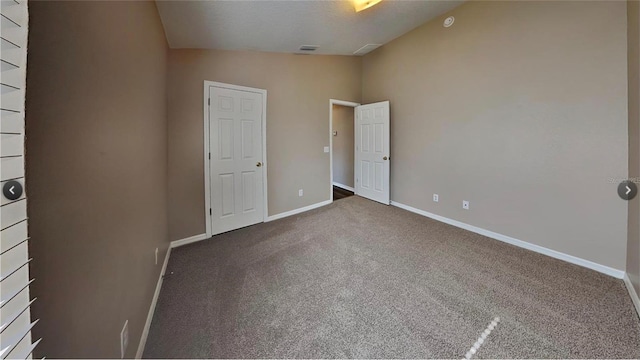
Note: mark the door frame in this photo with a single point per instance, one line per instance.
(207, 148)
(342, 103)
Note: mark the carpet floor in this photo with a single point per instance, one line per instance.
(357, 279)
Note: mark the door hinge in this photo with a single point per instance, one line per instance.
(209, 156)
(209, 101)
(210, 213)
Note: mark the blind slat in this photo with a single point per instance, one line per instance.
(4, 277)
(29, 350)
(8, 65)
(10, 297)
(15, 317)
(4, 18)
(14, 246)
(10, 236)
(15, 302)
(11, 144)
(13, 214)
(15, 340)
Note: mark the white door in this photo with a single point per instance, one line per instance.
(372, 151)
(236, 168)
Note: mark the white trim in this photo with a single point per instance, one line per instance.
(298, 211)
(343, 186)
(523, 244)
(189, 240)
(632, 293)
(265, 213)
(207, 180)
(342, 103)
(152, 309)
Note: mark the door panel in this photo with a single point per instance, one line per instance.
(248, 189)
(378, 176)
(365, 174)
(225, 135)
(247, 139)
(227, 191)
(372, 151)
(235, 122)
(365, 138)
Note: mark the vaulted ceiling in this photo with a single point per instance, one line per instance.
(284, 26)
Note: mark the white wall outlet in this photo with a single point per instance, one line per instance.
(300, 192)
(124, 339)
(465, 204)
(435, 197)
(156, 256)
(326, 149)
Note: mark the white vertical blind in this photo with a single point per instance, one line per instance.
(15, 315)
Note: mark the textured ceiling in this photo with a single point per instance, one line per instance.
(283, 26)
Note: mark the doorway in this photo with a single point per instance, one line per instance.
(235, 157)
(341, 148)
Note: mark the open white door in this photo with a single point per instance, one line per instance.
(236, 145)
(372, 151)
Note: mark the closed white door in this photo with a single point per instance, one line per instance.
(236, 168)
(372, 151)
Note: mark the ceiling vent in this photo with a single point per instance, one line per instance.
(308, 48)
(366, 49)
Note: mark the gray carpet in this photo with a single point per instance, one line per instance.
(357, 279)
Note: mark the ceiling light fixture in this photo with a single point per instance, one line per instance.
(364, 4)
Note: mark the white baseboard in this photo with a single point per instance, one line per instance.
(343, 186)
(298, 211)
(189, 240)
(152, 309)
(523, 244)
(196, 238)
(632, 293)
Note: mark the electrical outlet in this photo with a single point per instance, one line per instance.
(465, 204)
(156, 256)
(124, 339)
(300, 192)
(326, 149)
(435, 197)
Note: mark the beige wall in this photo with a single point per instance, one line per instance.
(343, 145)
(298, 91)
(633, 40)
(96, 172)
(520, 108)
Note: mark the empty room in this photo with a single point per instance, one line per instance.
(320, 179)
